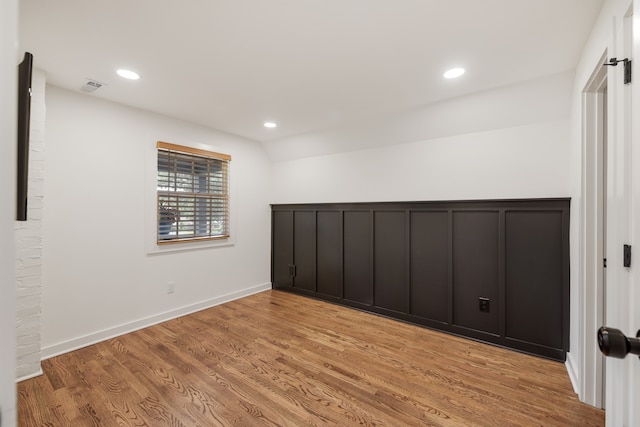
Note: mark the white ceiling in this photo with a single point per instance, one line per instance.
(306, 64)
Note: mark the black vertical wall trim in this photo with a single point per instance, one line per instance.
(293, 246)
(501, 273)
(315, 264)
(272, 262)
(407, 260)
(372, 256)
(342, 253)
(450, 250)
(566, 265)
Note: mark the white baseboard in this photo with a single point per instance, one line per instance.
(31, 375)
(84, 341)
(571, 366)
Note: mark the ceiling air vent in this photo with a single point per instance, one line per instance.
(91, 86)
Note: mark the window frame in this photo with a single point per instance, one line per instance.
(206, 198)
(152, 245)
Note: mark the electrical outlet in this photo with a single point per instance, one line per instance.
(171, 287)
(484, 304)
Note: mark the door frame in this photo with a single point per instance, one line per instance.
(592, 238)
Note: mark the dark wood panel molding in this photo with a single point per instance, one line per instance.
(476, 267)
(282, 249)
(357, 257)
(491, 270)
(329, 253)
(430, 265)
(389, 278)
(304, 250)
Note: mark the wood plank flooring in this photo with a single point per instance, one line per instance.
(279, 359)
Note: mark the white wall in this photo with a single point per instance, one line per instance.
(511, 142)
(98, 278)
(541, 100)
(8, 83)
(28, 243)
(520, 162)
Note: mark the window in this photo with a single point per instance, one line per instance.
(193, 194)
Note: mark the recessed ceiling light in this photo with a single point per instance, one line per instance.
(453, 73)
(270, 124)
(128, 74)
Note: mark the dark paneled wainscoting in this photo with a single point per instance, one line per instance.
(491, 270)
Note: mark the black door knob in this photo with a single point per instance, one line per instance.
(614, 343)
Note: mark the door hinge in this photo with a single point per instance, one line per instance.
(627, 67)
(605, 263)
(292, 270)
(627, 72)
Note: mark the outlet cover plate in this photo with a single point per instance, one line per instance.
(484, 304)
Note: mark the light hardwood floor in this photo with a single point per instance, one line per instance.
(279, 359)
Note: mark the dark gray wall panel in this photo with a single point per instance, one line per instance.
(304, 250)
(475, 269)
(357, 257)
(534, 277)
(429, 262)
(282, 241)
(390, 260)
(330, 253)
(430, 265)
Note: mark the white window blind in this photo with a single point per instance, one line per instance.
(193, 194)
